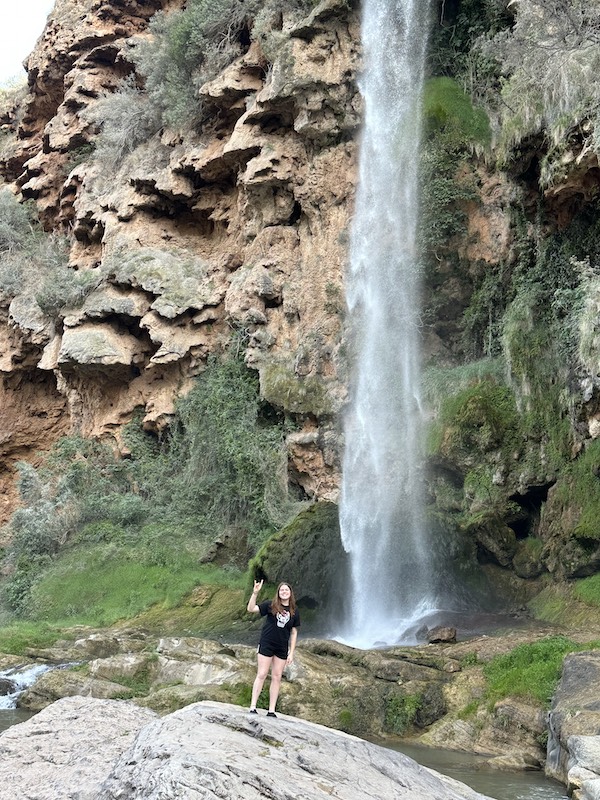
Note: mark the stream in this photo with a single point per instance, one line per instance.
(471, 769)
(19, 679)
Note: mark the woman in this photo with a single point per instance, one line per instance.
(277, 640)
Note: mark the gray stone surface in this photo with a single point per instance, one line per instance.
(583, 777)
(575, 711)
(66, 751)
(216, 750)
(88, 749)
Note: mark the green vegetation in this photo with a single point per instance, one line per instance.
(479, 418)
(588, 590)
(548, 57)
(241, 694)
(125, 118)
(453, 127)
(191, 46)
(34, 264)
(579, 489)
(400, 712)
(19, 636)
(530, 671)
(139, 526)
(459, 27)
(448, 110)
(102, 584)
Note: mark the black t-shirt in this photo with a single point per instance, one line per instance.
(278, 627)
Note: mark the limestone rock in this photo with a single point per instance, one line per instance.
(575, 712)
(583, 777)
(216, 750)
(309, 554)
(88, 749)
(65, 751)
(60, 683)
(99, 345)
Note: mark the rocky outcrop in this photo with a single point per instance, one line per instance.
(101, 749)
(434, 694)
(241, 226)
(574, 726)
(67, 750)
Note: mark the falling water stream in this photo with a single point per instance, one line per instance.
(381, 512)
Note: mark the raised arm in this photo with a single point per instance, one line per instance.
(252, 607)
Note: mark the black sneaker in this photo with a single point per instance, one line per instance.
(271, 714)
(253, 711)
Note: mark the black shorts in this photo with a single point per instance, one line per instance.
(269, 650)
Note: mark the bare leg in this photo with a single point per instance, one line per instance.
(276, 673)
(264, 663)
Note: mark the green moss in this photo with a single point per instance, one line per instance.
(308, 553)
(301, 395)
(579, 489)
(446, 106)
(346, 720)
(477, 419)
(400, 712)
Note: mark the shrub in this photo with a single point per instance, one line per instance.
(125, 118)
(400, 712)
(219, 471)
(34, 263)
(188, 48)
(549, 56)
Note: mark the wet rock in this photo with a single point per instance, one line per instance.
(7, 686)
(441, 634)
(515, 761)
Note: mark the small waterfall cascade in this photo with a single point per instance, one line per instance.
(381, 511)
(15, 680)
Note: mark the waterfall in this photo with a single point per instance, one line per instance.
(381, 510)
(15, 680)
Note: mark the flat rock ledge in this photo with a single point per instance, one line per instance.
(82, 748)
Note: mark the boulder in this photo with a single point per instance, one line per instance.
(441, 634)
(216, 750)
(575, 711)
(309, 554)
(67, 749)
(7, 686)
(583, 777)
(88, 749)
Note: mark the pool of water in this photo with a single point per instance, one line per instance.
(12, 716)
(472, 770)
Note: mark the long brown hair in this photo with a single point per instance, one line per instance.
(276, 604)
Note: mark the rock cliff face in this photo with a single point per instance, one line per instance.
(241, 226)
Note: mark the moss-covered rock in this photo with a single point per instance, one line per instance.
(494, 536)
(282, 387)
(526, 561)
(308, 553)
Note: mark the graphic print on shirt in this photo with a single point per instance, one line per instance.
(283, 619)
